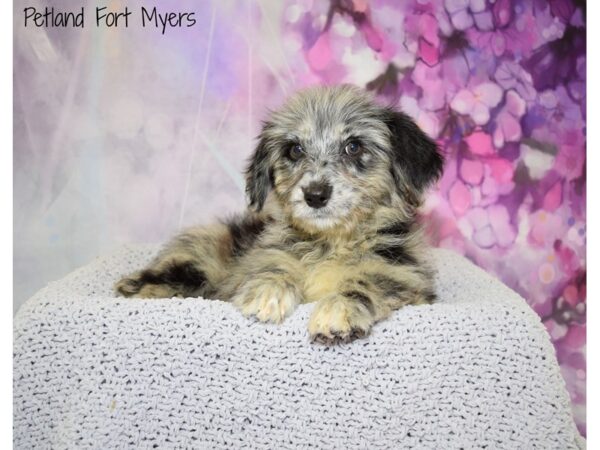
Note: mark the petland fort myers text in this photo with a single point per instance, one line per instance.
(105, 17)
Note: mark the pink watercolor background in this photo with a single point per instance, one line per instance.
(126, 135)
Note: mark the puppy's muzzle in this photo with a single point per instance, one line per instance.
(317, 194)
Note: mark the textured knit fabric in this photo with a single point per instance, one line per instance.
(475, 370)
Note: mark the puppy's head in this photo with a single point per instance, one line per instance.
(332, 156)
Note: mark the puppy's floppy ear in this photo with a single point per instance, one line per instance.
(259, 174)
(417, 161)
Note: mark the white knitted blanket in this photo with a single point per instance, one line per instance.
(476, 370)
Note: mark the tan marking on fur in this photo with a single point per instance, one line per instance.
(157, 291)
(268, 299)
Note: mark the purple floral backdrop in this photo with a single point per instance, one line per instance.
(125, 135)
(501, 86)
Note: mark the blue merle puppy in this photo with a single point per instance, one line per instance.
(334, 186)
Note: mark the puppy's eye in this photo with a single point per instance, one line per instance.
(296, 152)
(353, 149)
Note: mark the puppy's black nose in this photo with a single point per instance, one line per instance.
(316, 194)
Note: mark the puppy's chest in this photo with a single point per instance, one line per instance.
(326, 266)
(326, 263)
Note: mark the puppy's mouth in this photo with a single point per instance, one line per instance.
(321, 218)
(320, 214)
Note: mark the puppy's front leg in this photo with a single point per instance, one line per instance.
(366, 293)
(268, 285)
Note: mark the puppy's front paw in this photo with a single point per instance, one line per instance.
(339, 319)
(268, 300)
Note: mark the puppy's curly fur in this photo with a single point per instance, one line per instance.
(334, 186)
